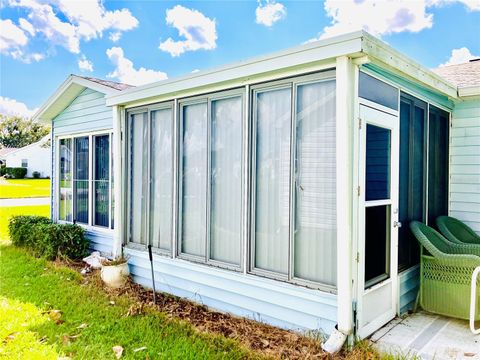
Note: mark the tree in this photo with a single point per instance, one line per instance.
(17, 132)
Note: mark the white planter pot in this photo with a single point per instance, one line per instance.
(115, 276)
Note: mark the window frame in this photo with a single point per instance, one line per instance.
(24, 161)
(90, 135)
(148, 109)
(208, 99)
(293, 83)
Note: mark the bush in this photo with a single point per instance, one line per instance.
(3, 170)
(47, 239)
(36, 175)
(16, 172)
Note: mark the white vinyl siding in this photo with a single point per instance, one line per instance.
(464, 199)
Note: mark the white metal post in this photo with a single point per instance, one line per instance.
(345, 79)
(118, 231)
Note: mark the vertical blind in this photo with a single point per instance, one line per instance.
(80, 179)
(161, 183)
(65, 180)
(138, 177)
(226, 180)
(194, 177)
(272, 193)
(101, 180)
(315, 184)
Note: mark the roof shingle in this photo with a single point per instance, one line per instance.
(462, 75)
(112, 84)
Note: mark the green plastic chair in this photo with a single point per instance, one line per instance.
(445, 277)
(457, 231)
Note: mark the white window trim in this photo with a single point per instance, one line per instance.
(88, 227)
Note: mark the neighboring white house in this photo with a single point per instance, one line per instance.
(274, 188)
(3, 154)
(34, 157)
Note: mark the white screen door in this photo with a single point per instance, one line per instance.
(378, 220)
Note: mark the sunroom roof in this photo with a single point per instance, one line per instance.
(354, 45)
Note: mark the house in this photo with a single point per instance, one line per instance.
(35, 157)
(3, 153)
(278, 188)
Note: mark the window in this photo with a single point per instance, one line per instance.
(438, 136)
(81, 180)
(24, 163)
(150, 165)
(211, 179)
(65, 201)
(294, 201)
(377, 91)
(423, 137)
(85, 187)
(412, 182)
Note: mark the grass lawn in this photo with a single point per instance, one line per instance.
(21, 188)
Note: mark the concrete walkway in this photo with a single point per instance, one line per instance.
(428, 336)
(25, 201)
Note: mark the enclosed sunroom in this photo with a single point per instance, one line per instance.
(278, 188)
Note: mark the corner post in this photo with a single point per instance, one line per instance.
(345, 95)
(118, 233)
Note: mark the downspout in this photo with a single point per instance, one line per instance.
(117, 173)
(345, 82)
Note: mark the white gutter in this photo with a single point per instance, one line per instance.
(345, 83)
(117, 175)
(465, 91)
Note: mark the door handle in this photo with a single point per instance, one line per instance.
(397, 224)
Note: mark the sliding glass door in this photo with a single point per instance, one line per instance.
(294, 196)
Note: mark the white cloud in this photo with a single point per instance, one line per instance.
(460, 56)
(198, 30)
(115, 36)
(382, 17)
(11, 107)
(472, 5)
(66, 23)
(26, 26)
(84, 64)
(270, 12)
(11, 36)
(126, 72)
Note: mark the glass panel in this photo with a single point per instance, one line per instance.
(138, 170)
(377, 163)
(226, 185)
(80, 183)
(161, 159)
(377, 244)
(412, 177)
(273, 122)
(437, 164)
(315, 182)
(65, 180)
(377, 91)
(101, 179)
(112, 198)
(194, 170)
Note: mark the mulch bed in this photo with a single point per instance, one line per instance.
(267, 340)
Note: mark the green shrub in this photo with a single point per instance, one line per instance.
(36, 175)
(21, 226)
(3, 170)
(47, 239)
(16, 172)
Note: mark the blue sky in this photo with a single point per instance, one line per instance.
(43, 41)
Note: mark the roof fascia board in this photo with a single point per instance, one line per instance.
(26, 147)
(402, 65)
(71, 87)
(243, 72)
